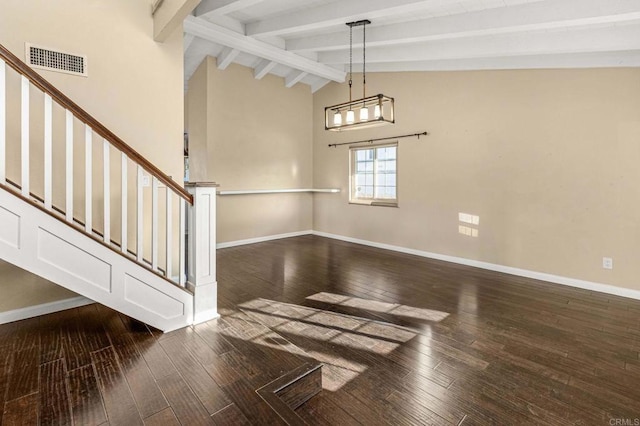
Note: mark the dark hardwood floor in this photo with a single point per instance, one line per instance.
(403, 339)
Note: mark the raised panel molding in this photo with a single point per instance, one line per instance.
(10, 229)
(151, 299)
(204, 251)
(67, 257)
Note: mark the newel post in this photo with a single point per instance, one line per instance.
(201, 277)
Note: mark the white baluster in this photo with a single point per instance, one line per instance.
(88, 179)
(69, 167)
(182, 278)
(3, 123)
(107, 193)
(48, 141)
(140, 223)
(123, 227)
(25, 137)
(154, 223)
(169, 235)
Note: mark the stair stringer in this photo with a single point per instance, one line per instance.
(38, 242)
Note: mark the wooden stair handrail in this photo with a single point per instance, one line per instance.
(41, 83)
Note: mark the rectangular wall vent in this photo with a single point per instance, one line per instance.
(55, 60)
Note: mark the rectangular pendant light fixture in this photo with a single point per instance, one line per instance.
(369, 111)
(360, 113)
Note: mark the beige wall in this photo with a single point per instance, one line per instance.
(18, 287)
(547, 158)
(198, 107)
(134, 87)
(251, 134)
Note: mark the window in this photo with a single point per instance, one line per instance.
(374, 175)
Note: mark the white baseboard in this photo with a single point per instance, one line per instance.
(572, 282)
(43, 309)
(262, 239)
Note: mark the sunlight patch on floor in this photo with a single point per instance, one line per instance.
(382, 307)
(326, 336)
(360, 333)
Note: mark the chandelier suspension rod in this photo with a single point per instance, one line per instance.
(364, 60)
(350, 62)
(417, 135)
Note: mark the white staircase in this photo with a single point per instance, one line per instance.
(139, 268)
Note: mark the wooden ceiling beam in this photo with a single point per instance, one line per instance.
(225, 37)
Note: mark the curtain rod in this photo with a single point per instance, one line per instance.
(380, 139)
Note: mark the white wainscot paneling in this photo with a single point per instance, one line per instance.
(66, 257)
(151, 299)
(10, 229)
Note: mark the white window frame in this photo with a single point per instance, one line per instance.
(389, 202)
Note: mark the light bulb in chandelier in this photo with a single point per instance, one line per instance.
(350, 117)
(364, 114)
(337, 118)
(376, 112)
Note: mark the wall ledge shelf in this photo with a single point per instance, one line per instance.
(276, 191)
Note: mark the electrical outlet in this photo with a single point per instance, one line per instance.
(607, 263)
(146, 181)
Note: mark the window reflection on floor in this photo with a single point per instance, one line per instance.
(376, 306)
(329, 337)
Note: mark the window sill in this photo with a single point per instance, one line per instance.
(374, 203)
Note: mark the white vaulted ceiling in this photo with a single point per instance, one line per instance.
(307, 41)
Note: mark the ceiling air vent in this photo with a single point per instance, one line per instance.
(55, 60)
